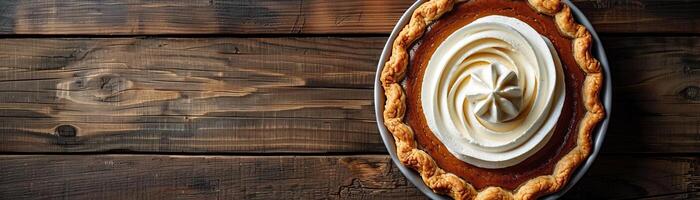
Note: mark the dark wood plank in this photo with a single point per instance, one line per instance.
(202, 177)
(656, 104)
(642, 16)
(640, 177)
(295, 177)
(280, 95)
(189, 95)
(118, 17)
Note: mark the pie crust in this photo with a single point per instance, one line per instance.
(443, 182)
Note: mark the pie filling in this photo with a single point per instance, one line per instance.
(493, 93)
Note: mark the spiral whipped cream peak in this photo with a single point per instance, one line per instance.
(493, 91)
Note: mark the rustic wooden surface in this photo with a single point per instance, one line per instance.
(273, 99)
(122, 17)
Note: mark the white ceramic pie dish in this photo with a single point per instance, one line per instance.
(414, 177)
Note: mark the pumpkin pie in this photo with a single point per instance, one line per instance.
(492, 99)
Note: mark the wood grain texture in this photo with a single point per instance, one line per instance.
(656, 104)
(199, 17)
(642, 16)
(202, 177)
(640, 177)
(295, 177)
(280, 95)
(189, 95)
(140, 17)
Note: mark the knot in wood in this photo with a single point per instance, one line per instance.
(66, 131)
(96, 88)
(691, 93)
(109, 85)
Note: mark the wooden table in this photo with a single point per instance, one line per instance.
(263, 99)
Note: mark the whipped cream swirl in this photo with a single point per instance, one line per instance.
(493, 91)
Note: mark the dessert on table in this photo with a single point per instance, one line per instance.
(492, 99)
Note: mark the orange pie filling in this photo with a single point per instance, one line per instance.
(493, 93)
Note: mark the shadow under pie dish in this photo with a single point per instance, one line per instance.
(491, 99)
